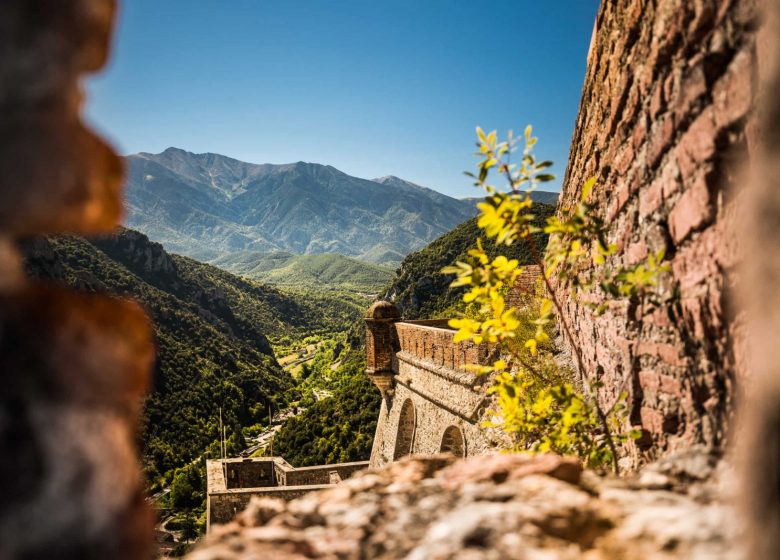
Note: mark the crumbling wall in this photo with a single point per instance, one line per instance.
(664, 120)
(74, 367)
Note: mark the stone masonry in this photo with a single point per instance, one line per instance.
(231, 483)
(430, 403)
(664, 121)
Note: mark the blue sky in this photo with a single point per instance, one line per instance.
(371, 87)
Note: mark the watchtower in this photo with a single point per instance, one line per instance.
(381, 344)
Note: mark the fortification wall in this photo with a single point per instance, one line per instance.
(431, 341)
(222, 507)
(323, 474)
(664, 115)
(433, 403)
(250, 474)
(271, 477)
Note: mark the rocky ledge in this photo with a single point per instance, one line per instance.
(496, 507)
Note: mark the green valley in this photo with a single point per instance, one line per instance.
(215, 334)
(330, 271)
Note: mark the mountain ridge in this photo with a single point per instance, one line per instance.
(208, 205)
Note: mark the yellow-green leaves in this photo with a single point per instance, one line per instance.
(579, 254)
(586, 188)
(554, 419)
(526, 174)
(535, 404)
(506, 217)
(638, 280)
(497, 367)
(486, 280)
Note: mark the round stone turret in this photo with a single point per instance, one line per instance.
(380, 343)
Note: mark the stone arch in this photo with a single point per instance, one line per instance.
(407, 422)
(452, 442)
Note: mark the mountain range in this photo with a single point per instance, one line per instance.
(207, 206)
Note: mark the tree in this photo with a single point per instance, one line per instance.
(187, 487)
(189, 526)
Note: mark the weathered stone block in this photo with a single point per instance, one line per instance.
(697, 145)
(733, 94)
(693, 210)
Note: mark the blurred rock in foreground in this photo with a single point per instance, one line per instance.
(501, 506)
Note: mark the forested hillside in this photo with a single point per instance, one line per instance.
(339, 428)
(422, 292)
(212, 333)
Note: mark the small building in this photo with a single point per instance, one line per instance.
(232, 482)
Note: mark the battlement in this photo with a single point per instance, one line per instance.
(433, 341)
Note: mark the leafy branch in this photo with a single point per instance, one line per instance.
(536, 406)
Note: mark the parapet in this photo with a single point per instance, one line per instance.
(232, 482)
(432, 341)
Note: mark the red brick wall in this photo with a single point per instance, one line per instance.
(526, 285)
(427, 340)
(380, 346)
(663, 121)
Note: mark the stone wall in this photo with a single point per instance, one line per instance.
(247, 473)
(323, 474)
(270, 477)
(431, 403)
(431, 341)
(499, 506)
(222, 507)
(664, 120)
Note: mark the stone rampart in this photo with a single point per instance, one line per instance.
(431, 402)
(664, 122)
(223, 506)
(270, 477)
(323, 474)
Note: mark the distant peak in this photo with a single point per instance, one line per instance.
(174, 150)
(170, 151)
(388, 178)
(392, 180)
